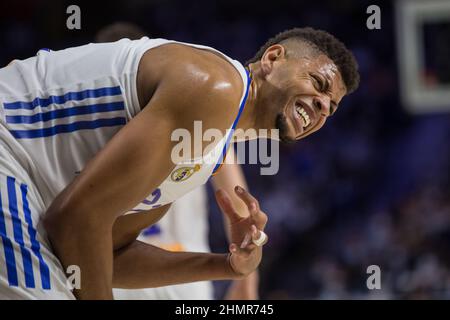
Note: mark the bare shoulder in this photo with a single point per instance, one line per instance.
(194, 84)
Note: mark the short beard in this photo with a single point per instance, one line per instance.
(281, 125)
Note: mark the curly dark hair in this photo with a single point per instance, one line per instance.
(325, 43)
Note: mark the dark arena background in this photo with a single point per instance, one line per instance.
(371, 188)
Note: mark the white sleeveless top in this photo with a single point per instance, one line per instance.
(59, 108)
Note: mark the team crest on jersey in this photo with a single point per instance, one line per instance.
(184, 173)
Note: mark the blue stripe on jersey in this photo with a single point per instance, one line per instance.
(75, 96)
(18, 235)
(66, 128)
(35, 246)
(61, 113)
(152, 230)
(10, 259)
(230, 135)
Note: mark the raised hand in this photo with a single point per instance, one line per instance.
(247, 236)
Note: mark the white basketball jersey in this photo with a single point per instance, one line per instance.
(59, 108)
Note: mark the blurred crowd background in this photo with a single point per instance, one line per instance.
(372, 187)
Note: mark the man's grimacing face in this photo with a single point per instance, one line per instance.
(299, 93)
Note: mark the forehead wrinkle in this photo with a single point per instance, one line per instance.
(327, 67)
(322, 64)
(334, 77)
(335, 89)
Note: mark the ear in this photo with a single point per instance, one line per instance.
(271, 55)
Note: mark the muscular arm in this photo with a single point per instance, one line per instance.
(142, 265)
(230, 175)
(80, 220)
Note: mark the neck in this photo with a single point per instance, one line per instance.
(247, 122)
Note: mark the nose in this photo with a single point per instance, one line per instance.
(322, 104)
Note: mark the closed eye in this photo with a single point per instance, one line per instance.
(320, 84)
(323, 86)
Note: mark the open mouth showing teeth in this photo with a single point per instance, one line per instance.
(304, 116)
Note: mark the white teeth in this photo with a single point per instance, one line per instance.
(304, 115)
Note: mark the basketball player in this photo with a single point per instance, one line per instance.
(87, 153)
(174, 231)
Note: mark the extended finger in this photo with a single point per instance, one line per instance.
(248, 199)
